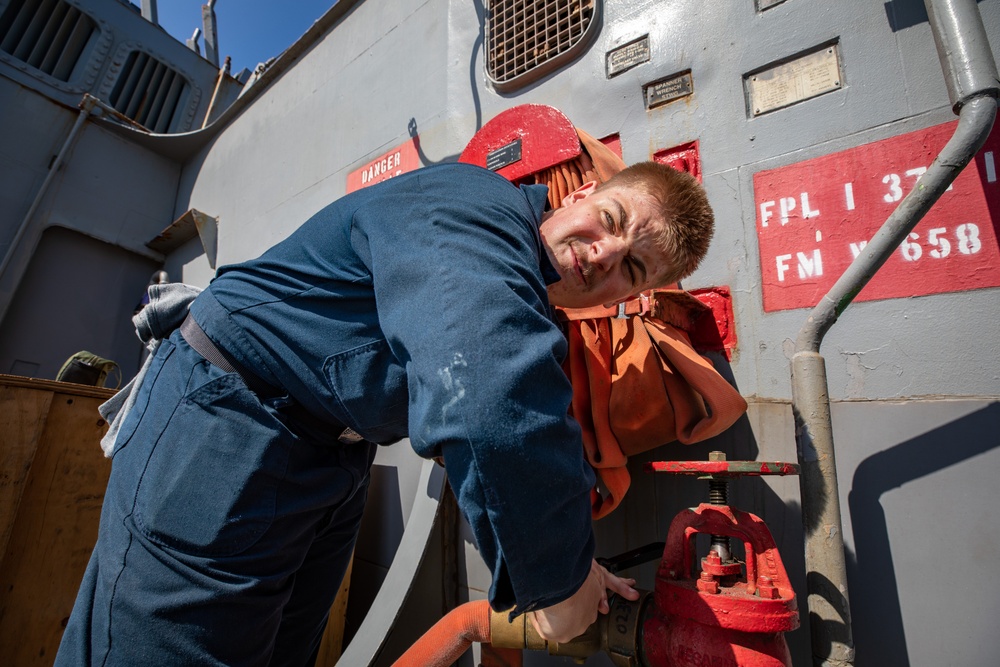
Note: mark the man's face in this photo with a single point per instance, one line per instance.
(603, 246)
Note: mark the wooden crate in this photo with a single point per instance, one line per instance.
(52, 480)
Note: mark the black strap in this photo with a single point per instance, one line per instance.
(203, 345)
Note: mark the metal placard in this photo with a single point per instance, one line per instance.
(817, 216)
(666, 90)
(501, 157)
(627, 56)
(800, 79)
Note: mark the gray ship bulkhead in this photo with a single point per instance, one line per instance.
(914, 380)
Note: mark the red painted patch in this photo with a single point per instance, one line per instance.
(718, 332)
(399, 160)
(614, 142)
(813, 218)
(684, 157)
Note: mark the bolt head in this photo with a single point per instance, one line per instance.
(766, 588)
(707, 584)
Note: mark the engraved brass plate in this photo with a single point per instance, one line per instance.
(794, 81)
(668, 90)
(627, 56)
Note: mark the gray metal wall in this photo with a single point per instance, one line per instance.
(388, 66)
(915, 381)
(108, 188)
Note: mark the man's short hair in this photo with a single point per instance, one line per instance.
(687, 215)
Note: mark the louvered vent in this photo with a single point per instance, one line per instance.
(49, 35)
(527, 38)
(148, 92)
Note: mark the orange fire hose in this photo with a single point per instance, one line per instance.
(450, 637)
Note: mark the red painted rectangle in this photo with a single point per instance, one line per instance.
(814, 217)
(614, 142)
(399, 160)
(715, 332)
(685, 157)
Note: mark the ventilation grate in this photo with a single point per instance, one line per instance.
(524, 35)
(49, 35)
(148, 92)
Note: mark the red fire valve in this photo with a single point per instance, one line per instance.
(718, 618)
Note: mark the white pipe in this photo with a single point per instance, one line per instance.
(149, 12)
(211, 32)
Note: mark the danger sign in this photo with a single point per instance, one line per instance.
(399, 160)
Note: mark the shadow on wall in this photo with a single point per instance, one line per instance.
(874, 586)
(77, 293)
(903, 14)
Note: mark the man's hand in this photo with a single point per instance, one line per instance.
(568, 619)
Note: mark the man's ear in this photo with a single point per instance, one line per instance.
(581, 192)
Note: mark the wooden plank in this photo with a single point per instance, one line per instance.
(22, 416)
(332, 645)
(54, 531)
(53, 385)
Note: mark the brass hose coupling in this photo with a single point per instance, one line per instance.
(616, 633)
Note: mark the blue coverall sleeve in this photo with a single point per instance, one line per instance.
(463, 307)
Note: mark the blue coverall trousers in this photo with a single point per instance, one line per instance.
(224, 534)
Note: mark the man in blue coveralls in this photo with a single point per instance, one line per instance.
(418, 307)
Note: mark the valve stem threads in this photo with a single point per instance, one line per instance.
(718, 492)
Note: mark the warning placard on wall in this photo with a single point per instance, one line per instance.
(815, 217)
(399, 160)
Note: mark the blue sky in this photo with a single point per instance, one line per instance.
(250, 31)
